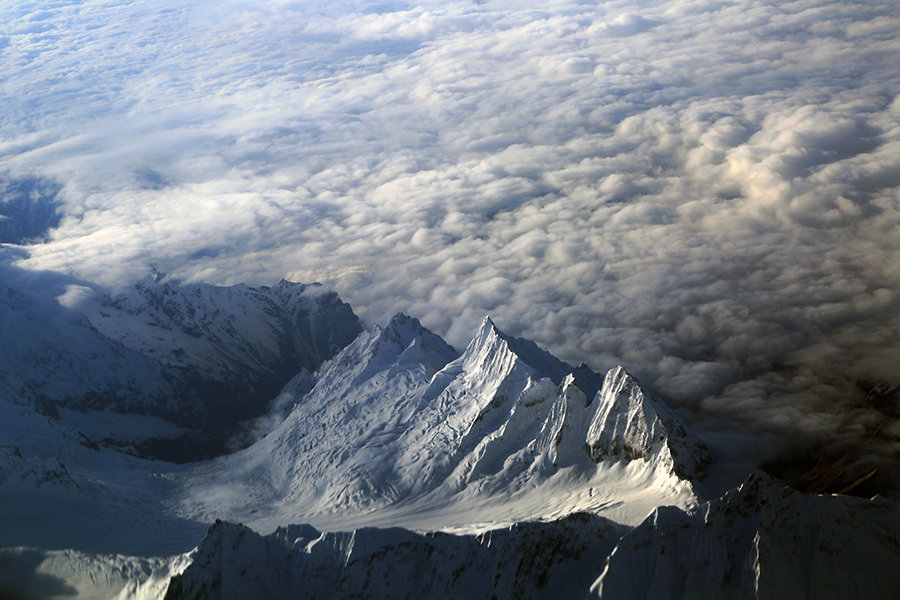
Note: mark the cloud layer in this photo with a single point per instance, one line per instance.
(706, 192)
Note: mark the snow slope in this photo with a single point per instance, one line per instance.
(760, 540)
(52, 356)
(243, 336)
(399, 430)
(27, 573)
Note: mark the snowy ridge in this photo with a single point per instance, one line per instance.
(490, 347)
(199, 356)
(398, 424)
(54, 357)
(356, 398)
(527, 560)
(760, 540)
(233, 334)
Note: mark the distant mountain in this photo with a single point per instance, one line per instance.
(242, 336)
(203, 358)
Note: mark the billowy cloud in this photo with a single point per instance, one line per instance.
(706, 192)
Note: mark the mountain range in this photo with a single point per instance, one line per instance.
(194, 441)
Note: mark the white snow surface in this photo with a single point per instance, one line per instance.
(400, 431)
(49, 354)
(74, 575)
(226, 332)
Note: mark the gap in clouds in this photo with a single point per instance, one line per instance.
(706, 193)
(29, 209)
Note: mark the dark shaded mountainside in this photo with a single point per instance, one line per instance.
(205, 359)
(758, 541)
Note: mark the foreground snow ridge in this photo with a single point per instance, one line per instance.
(760, 540)
(525, 560)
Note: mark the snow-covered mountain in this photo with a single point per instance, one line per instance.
(54, 357)
(399, 424)
(202, 358)
(389, 465)
(760, 540)
(253, 338)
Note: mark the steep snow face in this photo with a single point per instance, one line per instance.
(479, 411)
(335, 450)
(398, 425)
(527, 560)
(760, 540)
(630, 424)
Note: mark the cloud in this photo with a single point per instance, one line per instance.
(705, 192)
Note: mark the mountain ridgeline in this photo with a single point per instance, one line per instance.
(377, 463)
(548, 481)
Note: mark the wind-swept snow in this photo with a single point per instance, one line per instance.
(399, 430)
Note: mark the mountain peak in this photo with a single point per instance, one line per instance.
(402, 343)
(402, 330)
(285, 284)
(631, 424)
(402, 320)
(487, 333)
(490, 340)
